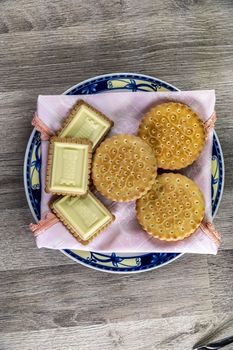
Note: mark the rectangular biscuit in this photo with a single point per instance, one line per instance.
(84, 121)
(85, 217)
(68, 166)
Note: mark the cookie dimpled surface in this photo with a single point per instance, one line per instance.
(172, 209)
(175, 132)
(124, 168)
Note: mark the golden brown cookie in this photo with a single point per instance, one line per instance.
(172, 209)
(124, 168)
(175, 132)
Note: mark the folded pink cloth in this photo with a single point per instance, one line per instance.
(125, 235)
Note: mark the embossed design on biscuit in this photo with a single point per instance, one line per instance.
(88, 128)
(87, 216)
(172, 209)
(124, 168)
(175, 132)
(69, 166)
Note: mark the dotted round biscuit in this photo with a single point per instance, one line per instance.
(172, 209)
(175, 132)
(124, 168)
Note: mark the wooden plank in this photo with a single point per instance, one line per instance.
(221, 284)
(24, 16)
(152, 334)
(39, 67)
(18, 247)
(71, 295)
(50, 63)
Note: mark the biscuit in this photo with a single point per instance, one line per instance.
(85, 217)
(84, 121)
(68, 166)
(124, 168)
(176, 134)
(172, 209)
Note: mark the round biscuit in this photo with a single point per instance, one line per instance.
(124, 168)
(176, 134)
(172, 209)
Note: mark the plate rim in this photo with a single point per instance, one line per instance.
(104, 269)
(223, 175)
(179, 255)
(25, 172)
(115, 74)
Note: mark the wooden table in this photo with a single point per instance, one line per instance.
(47, 301)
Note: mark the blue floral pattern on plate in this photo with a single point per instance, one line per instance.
(115, 262)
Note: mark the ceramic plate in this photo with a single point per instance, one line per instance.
(114, 262)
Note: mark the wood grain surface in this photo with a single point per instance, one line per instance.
(47, 301)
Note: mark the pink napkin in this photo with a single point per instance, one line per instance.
(126, 109)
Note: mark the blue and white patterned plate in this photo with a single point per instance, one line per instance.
(114, 262)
